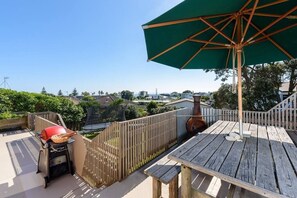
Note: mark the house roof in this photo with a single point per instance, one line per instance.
(285, 87)
(186, 100)
(73, 99)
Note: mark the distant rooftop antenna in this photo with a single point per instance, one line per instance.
(5, 83)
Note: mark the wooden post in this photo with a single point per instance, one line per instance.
(173, 188)
(156, 188)
(239, 53)
(239, 92)
(231, 191)
(186, 187)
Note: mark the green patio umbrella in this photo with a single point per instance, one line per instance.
(216, 34)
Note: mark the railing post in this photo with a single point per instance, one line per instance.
(121, 152)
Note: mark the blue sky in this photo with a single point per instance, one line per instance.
(89, 45)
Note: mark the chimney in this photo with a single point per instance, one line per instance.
(196, 123)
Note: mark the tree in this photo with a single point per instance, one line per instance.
(128, 95)
(60, 93)
(260, 87)
(87, 102)
(131, 112)
(85, 93)
(5, 103)
(23, 101)
(150, 106)
(224, 98)
(74, 92)
(175, 94)
(114, 112)
(43, 91)
(187, 92)
(69, 111)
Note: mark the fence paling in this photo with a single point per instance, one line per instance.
(144, 138)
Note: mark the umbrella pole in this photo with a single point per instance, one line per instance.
(239, 54)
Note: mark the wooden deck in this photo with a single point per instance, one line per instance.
(265, 163)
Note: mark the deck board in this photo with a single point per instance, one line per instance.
(194, 151)
(247, 167)
(289, 146)
(217, 159)
(265, 171)
(232, 160)
(285, 174)
(194, 140)
(207, 153)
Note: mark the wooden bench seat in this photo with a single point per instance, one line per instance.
(164, 171)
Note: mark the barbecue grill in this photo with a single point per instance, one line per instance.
(54, 159)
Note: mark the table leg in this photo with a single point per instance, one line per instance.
(231, 191)
(173, 188)
(156, 188)
(186, 183)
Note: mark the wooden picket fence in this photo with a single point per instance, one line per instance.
(283, 114)
(48, 115)
(125, 146)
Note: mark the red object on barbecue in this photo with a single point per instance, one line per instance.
(48, 132)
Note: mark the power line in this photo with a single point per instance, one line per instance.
(5, 83)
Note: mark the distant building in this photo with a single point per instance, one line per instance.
(105, 101)
(73, 99)
(186, 103)
(284, 90)
(143, 94)
(187, 95)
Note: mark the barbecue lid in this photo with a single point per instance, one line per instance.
(48, 132)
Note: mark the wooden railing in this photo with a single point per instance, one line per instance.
(144, 138)
(282, 115)
(101, 165)
(13, 123)
(125, 146)
(42, 123)
(51, 116)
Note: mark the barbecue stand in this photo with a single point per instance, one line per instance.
(54, 158)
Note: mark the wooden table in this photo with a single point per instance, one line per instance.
(265, 163)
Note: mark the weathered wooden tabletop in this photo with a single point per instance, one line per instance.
(265, 163)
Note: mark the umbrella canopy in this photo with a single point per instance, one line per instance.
(199, 34)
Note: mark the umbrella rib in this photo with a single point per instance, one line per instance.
(194, 35)
(272, 41)
(267, 5)
(273, 15)
(210, 42)
(271, 24)
(206, 44)
(167, 23)
(250, 20)
(245, 5)
(216, 48)
(233, 35)
(273, 33)
(218, 31)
